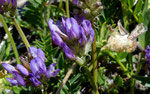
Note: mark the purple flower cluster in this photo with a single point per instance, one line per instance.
(7, 5)
(89, 8)
(73, 35)
(36, 71)
(147, 53)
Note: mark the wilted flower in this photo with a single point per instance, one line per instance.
(8, 6)
(123, 42)
(74, 36)
(36, 72)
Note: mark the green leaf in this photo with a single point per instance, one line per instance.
(61, 60)
(130, 3)
(122, 56)
(143, 80)
(103, 31)
(144, 39)
(64, 90)
(138, 7)
(39, 1)
(118, 81)
(17, 89)
(146, 18)
(101, 78)
(145, 6)
(4, 92)
(2, 50)
(75, 78)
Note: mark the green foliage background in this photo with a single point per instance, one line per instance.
(111, 79)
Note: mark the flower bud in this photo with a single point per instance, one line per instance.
(8, 6)
(89, 8)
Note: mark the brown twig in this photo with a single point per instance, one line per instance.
(66, 78)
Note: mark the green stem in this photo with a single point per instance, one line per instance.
(60, 3)
(67, 8)
(11, 39)
(134, 15)
(90, 77)
(132, 86)
(118, 61)
(24, 39)
(138, 68)
(94, 61)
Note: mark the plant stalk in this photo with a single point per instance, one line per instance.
(11, 39)
(90, 78)
(121, 65)
(66, 78)
(67, 8)
(94, 61)
(24, 39)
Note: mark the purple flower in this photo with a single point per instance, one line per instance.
(147, 53)
(38, 67)
(34, 80)
(51, 72)
(22, 69)
(8, 67)
(75, 2)
(72, 35)
(37, 53)
(19, 78)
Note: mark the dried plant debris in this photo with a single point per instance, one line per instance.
(122, 41)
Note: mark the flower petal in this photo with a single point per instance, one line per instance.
(51, 72)
(33, 51)
(41, 65)
(72, 28)
(8, 67)
(19, 78)
(83, 38)
(41, 54)
(13, 81)
(92, 33)
(34, 80)
(55, 33)
(70, 55)
(55, 72)
(22, 69)
(86, 26)
(37, 53)
(34, 67)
